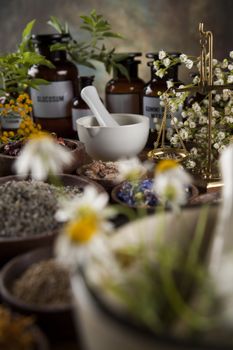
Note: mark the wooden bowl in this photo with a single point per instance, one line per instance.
(115, 198)
(55, 321)
(206, 198)
(107, 184)
(77, 150)
(10, 247)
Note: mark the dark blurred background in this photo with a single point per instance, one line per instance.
(148, 25)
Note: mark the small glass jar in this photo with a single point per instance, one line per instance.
(123, 95)
(151, 100)
(52, 103)
(14, 108)
(79, 107)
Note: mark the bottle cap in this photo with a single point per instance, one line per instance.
(49, 39)
(155, 55)
(86, 81)
(127, 57)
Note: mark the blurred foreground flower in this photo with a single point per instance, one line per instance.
(87, 218)
(130, 169)
(42, 157)
(171, 182)
(221, 257)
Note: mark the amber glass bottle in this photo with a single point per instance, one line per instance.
(151, 101)
(52, 103)
(123, 95)
(79, 107)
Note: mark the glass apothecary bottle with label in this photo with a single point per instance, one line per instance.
(151, 101)
(10, 117)
(123, 95)
(79, 107)
(52, 104)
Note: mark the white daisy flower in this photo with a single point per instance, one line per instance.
(130, 169)
(41, 157)
(183, 58)
(170, 183)
(91, 198)
(221, 135)
(166, 61)
(82, 234)
(33, 71)
(170, 84)
(162, 54)
(192, 125)
(230, 79)
(189, 64)
(160, 73)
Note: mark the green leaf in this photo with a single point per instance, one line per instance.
(113, 35)
(55, 23)
(123, 70)
(38, 81)
(86, 27)
(27, 30)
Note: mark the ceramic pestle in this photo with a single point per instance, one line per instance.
(90, 95)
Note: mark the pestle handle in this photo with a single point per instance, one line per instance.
(90, 95)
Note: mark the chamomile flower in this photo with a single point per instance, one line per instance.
(68, 209)
(42, 157)
(130, 169)
(170, 183)
(87, 222)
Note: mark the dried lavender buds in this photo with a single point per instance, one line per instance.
(44, 283)
(28, 207)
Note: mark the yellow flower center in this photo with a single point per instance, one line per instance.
(40, 136)
(83, 229)
(165, 165)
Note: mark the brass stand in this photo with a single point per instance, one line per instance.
(204, 87)
(164, 152)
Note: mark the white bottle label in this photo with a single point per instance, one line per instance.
(78, 113)
(152, 109)
(53, 100)
(123, 103)
(11, 121)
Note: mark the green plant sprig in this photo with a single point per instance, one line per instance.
(85, 52)
(14, 67)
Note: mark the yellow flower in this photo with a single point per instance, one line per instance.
(82, 229)
(12, 102)
(1, 105)
(165, 165)
(11, 134)
(4, 139)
